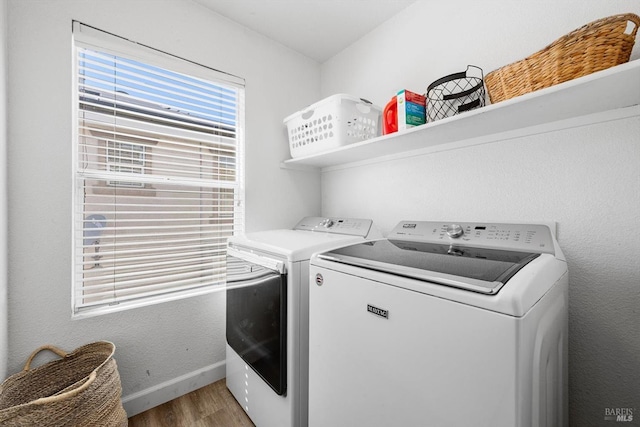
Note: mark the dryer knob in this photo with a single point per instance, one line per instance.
(454, 231)
(327, 223)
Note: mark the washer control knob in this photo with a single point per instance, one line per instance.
(327, 223)
(454, 231)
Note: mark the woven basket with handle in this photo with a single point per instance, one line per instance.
(82, 388)
(596, 46)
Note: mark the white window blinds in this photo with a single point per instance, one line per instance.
(158, 171)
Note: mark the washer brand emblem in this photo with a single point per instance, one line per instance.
(319, 279)
(377, 311)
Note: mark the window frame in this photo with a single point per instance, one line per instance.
(95, 39)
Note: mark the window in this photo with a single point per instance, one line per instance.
(125, 158)
(158, 174)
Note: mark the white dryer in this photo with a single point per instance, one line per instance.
(267, 315)
(440, 325)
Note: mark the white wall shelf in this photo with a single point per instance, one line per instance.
(607, 90)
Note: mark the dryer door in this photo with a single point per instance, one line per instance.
(256, 318)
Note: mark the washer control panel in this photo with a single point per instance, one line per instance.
(349, 226)
(518, 237)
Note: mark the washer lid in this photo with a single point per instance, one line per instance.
(310, 235)
(475, 269)
(293, 245)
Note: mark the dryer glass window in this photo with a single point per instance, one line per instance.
(256, 319)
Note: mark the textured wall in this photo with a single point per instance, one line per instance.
(586, 179)
(3, 189)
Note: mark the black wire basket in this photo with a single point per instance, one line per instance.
(455, 93)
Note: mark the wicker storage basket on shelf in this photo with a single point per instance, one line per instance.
(596, 46)
(80, 389)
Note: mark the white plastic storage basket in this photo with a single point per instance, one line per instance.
(333, 122)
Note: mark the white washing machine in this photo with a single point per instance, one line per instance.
(267, 315)
(440, 325)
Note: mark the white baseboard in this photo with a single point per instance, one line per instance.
(157, 395)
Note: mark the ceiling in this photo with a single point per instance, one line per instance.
(318, 29)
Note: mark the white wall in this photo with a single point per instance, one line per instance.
(173, 341)
(587, 178)
(3, 189)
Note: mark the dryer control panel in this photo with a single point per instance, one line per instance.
(349, 226)
(518, 237)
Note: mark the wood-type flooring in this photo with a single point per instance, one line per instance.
(209, 406)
